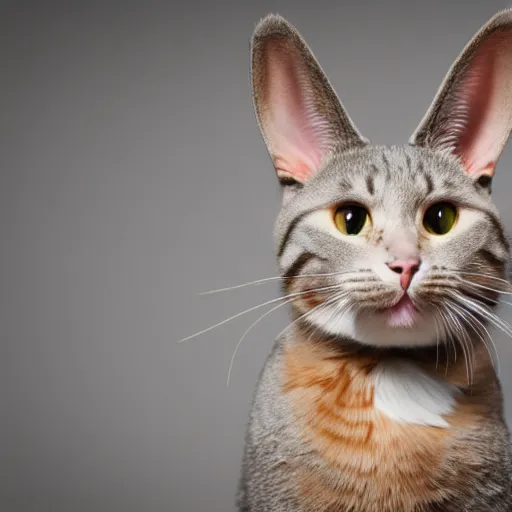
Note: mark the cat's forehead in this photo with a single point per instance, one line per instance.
(399, 168)
(391, 175)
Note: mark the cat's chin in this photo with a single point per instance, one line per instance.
(403, 314)
(400, 325)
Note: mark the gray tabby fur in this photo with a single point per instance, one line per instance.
(394, 183)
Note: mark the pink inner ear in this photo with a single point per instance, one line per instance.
(297, 134)
(482, 116)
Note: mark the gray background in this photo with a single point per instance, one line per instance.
(133, 176)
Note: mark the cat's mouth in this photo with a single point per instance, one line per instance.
(403, 313)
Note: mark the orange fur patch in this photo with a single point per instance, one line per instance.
(366, 460)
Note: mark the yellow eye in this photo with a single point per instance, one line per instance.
(350, 219)
(440, 218)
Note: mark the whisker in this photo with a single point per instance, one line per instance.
(441, 331)
(310, 312)
(481, 274)
(447, 322)
(486, 287)
(276, 278)
(244, 335)
(468, 340)
(476, 325)
(295, 294)
(496, 301)
(472, 319)
(463, 346)
(472, 316)
(314, 328)
(338, 309)
(485, 298)
(436, 323)
(457, 273)
(488, 314)
(449, 335)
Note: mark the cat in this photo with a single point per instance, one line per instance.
(382, 394)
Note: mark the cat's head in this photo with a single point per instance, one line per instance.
(402, 244)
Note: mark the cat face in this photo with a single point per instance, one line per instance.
(387, 245)
(396, 275)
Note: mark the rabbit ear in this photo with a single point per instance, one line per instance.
(471, 115)
(298, 112)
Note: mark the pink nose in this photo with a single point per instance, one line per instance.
(406, 269)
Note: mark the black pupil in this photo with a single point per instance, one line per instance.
(355, 217)
(440, 217)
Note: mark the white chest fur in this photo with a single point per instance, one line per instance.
(407, 394)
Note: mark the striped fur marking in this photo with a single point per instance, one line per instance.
(366, 458)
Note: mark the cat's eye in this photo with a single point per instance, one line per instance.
(350, 219)
(440, 218)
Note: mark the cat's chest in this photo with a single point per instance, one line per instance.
(380, 431)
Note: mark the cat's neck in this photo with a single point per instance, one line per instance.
(373, 415)
(449, 360)
(469, 370)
